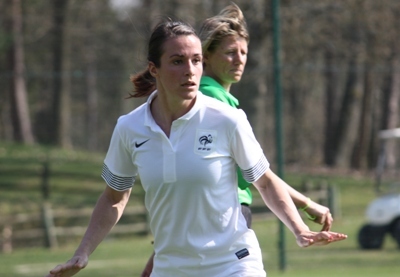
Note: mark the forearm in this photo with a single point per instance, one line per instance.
(313, 210)
(106, 214)
(275, 195)
(299, 199)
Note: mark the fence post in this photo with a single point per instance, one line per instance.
(51, 237)
(7, 239)
(45, 179)
(47, 213)
(333, 201)
(323, 189)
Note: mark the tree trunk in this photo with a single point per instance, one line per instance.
(65, 109)
(92, 101)
(6, 123)
(390, 108)
(19, 99)
(330, 77)
(341, 125)
(59, 9)
(360, 150)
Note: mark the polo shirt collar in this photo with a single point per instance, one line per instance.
(149, 120)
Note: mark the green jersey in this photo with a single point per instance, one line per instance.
(210, 87)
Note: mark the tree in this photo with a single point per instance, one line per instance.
(59, 10)
(19, 99)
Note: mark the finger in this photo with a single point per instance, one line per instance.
(57, 269)
(328, 237)
(322, 238)
(327, 223)
(60, 268)
(338, 236)
(70, 265)
(305, 241)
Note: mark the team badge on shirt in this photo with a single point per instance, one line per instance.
(205, 141)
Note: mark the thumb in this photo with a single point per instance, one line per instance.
(304, 241)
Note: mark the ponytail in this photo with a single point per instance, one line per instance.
(144, 84)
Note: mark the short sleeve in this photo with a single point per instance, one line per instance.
(246, 150)
(119, 171)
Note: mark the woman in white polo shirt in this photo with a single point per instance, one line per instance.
(185, 147)
(225, 41)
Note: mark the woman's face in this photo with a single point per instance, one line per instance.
(178, 76)
(226, 63)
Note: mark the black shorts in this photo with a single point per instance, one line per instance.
(246, 211)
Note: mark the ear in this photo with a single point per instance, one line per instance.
(152, 69)
(205, 58)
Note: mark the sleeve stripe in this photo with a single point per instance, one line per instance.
(252, 174)
(116, 182)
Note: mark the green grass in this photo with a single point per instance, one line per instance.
(75, 182)
(126, 257)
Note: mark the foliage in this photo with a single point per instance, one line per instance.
(339, 71)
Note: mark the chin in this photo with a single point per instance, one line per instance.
(190, 95)
(236, 80)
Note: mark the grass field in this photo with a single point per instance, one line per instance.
(75, 182)
(126, 257)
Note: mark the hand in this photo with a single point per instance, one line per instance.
(70, 268)
(322, 215)
(309, 238)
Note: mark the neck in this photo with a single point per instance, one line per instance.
(226, 86)
(165, 112)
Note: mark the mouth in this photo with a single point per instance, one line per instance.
(237, 70)
(189, 84)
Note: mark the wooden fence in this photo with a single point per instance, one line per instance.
(49, 227)
(42, 230)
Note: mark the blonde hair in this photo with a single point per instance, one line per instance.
(229, 22)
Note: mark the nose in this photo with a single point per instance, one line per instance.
(190, 70)
(240, 58)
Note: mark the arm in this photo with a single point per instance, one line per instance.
(321, 213)
(276, 196)
(106, 214)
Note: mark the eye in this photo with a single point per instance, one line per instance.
(197, 60)
(176, 62)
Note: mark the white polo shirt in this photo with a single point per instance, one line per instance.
(190, 182)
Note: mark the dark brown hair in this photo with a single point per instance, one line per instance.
(144, 83)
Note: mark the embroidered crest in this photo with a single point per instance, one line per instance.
(205, 141)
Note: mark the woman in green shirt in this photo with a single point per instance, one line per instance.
(225, 42)
(210, 87)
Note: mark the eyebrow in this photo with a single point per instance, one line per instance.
(181, 56)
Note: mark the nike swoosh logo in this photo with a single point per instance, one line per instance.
(137, 145)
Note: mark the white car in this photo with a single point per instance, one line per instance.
(383, 214)
(383, 217)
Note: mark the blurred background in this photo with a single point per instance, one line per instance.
(65, 67)
(64, 78)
